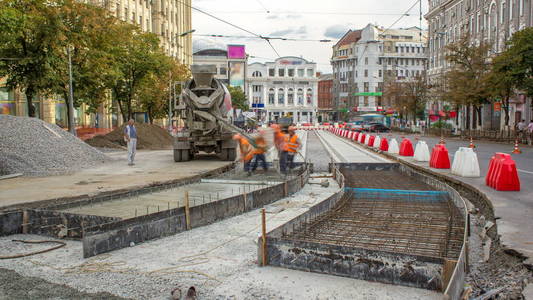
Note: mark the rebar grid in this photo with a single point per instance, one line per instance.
(388, 222)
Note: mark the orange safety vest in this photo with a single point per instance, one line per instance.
(291, 143)
(261, 145)
(279, 138)
(246, 151)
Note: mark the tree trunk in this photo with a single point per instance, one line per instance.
(468, 117)
(477, 111)
(30, 92)
(506, 110)
(65, 96)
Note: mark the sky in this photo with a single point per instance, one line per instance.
(300, 19)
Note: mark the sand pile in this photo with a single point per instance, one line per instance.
(149, 136)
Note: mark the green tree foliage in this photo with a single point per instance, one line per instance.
(466, 82)
(30, 33)
(520, 53)
(238, 98)
(409, 95)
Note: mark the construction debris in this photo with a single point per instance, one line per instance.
(35, 148)
(149, 136)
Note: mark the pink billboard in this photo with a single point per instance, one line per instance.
(236, 51)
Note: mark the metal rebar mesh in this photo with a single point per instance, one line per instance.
(412, 222)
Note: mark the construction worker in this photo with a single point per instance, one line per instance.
(246, 151)
(290, 148)
(259, 151)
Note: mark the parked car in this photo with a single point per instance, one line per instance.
(378, 127)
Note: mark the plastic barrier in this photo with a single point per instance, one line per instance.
(356, 136)
(393, 147)
(351, 135)
(465, 163)
(439, 157)
(421, 151)
(367, 137)
(371, 140)
(384, 146)
(502, 174)
(406, 148)
(377, 142)
(361, 138)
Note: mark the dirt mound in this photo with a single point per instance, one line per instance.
(149, 136)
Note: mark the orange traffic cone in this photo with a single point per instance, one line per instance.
(516, 150)
(471, 143)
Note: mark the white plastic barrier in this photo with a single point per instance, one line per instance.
(360, 137)
(393, 147)
(367, 137)
(465, 163)
(377, 142)
(421, 151)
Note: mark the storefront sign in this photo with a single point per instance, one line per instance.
(497, 106)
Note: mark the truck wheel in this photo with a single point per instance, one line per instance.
(232, 154)
(177, 155)
(223, 154)
(185, 155)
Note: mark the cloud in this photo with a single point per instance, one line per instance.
(336, 31)
(302, 30)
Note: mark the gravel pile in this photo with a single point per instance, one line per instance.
(36, 148)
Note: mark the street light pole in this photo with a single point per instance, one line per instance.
(72, 127)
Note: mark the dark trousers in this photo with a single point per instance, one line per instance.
(257, 158)
(286, 160)
(247, 165)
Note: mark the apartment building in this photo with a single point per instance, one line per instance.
(286, 87)
(363, 59)
(491, 21)
(325, 97)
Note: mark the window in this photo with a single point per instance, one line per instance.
(223, 71)
(290, 72)
(502, 13)
(271, 96)
(271, 72)
(257, 88)
(366, 87)
(310, 73)
(366, 101)
(366, 60)
(309, 96)
(281, 72)
(290, 96)
(300, 96)
(281, 96)
(380, 73)
(366, 73)
(406, 49)
(257, 74)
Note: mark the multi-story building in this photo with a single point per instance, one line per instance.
(286, 87)
(230, 60)
(325, 97)
(491, 21)
(363, 58)
(169, 19)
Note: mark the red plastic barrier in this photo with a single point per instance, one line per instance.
(384, 145)
(439, 157)
(363, 138)
(371, 140)
(502, 174)
(406, 148)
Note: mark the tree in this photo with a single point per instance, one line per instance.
(30, 34)
(502, 81)
(466, 82)
(238, 98)
(135, 59)
(520, 52)
(408, 95)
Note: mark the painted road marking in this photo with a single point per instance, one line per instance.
(524, 171)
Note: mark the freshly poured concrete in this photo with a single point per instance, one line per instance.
(199, 193)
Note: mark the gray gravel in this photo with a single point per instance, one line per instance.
(36, 148)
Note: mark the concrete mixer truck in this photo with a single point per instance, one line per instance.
(204, 105)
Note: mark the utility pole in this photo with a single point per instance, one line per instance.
(72, 126)
(170, 103)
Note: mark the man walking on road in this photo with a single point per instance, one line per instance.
(130, 136)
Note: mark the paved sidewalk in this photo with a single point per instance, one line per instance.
(513, 210)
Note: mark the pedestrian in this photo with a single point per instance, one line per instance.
(521, 125)
(259, 152)
(290, 148)
(530, 131)
(130, 136)
(246, 151)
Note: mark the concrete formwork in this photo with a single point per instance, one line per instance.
(403, 239)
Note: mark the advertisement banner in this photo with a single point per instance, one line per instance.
(236, 51)
(236, 75)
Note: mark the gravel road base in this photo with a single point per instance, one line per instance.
(15, 286)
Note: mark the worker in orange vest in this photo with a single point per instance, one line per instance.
(246, 152)
(291, 145)
(259, 152)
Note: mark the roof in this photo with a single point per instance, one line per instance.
(352, 36)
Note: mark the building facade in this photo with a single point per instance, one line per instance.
(287, 87)
(363, 59)
(490, 21)
(167, 18)
(231, 64)
(325, 97)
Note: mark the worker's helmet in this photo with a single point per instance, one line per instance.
(236, 137)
